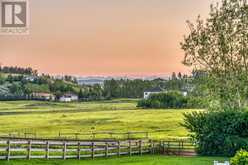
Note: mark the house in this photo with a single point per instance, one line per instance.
(43, 96)
(68, 97)
(225, 163)
(184, 93)
(157, 90)
(30, 78)
(149, 92)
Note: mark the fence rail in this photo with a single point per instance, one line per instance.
(185, 148)
(30, 149)
(81, 136)
(106, 135)
(93, 135)
(44, 149)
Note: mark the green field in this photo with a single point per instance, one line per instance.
(144, 160)
(47, 119)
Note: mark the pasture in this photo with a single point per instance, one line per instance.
(47, 119)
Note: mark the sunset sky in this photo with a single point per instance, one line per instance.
(104, 37)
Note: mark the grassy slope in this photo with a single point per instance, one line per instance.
(120, 116)
(144, 160)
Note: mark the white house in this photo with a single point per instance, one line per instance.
(30, 78)
(184, 93)
(225, 163)
(157, 90)
(69, 97)
(149, 92)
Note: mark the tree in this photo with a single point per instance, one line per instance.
(174, 76)
(80, 94)
(111, 88)
(219, 47)
(179, 75)
(2, 79)
(218, 132)
(16, 89)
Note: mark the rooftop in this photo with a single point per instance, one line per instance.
(156, 89)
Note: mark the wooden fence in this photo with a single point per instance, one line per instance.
(82, 135)
(44, 149)
(32, 149)
(177, 147)
(105, 135)
(85, 135)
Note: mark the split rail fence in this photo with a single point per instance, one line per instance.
(45, 149)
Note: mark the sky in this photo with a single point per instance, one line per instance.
(104, 37)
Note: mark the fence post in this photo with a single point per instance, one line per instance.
(163, 147)
(78, 154)
(130, 147)
(182, 147)
(119, 148)
(92, 150)
(106, 149)
(160, 148)
(8, 150)
(111, 135)
(93, 135)
(151, 146)
(140, 147)
(179, 148)
(128, 135)
(147, 135)
(29, 149)
(47, 150)
(168, 148)
(64, 151)
(76, 136)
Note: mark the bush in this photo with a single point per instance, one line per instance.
(170, 100)
(218, 133)
(241, 158)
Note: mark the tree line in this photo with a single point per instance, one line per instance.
(26, 84)
(18, 70)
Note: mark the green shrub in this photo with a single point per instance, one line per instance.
(170, 100)
(241, 158)
(218, 133)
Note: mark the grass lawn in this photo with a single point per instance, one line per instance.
(144, 160)
(48, 118)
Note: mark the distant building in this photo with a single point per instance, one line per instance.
(43, 96)
(218, 163)
(157, 90)
(149, 92)
(68, 97)
(184, 93)
(30, 78)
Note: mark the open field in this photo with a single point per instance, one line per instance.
(144, 160)
(48, 119)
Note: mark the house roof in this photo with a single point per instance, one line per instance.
(156, 89)
(69, 95)
(43, 94)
